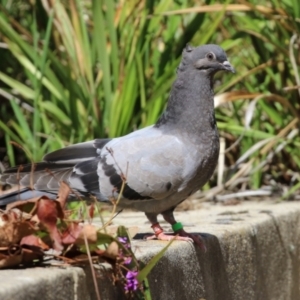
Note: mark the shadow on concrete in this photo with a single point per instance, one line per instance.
(187, 272)
(213, 270)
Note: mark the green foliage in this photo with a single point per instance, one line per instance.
(85, 69)
(100, 67)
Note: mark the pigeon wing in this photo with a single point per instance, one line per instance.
(150, 162)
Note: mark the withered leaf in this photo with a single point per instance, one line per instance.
(32, 240)
(13, 229)
(63, 194)
(10, 260)
(112, 250)
(48, 211)
(70, 235)
(91, 211)
(90, 232)
(23, 205)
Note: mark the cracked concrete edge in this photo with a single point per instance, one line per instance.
(257, 257)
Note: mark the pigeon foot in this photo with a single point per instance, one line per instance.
(179, 235)
(168, 237)
(196, 238)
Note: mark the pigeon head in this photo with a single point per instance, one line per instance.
(207, 58)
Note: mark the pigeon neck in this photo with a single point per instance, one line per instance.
(190, 106)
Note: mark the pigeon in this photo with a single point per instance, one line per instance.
(152, 169)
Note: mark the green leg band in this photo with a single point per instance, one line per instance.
(177, 226)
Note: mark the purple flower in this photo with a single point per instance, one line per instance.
(124, 241)
(131, 281)
(127, 260)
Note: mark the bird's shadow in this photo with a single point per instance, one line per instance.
(208, 268)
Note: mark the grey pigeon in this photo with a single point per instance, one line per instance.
(164, 163)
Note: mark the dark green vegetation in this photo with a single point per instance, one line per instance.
(85, 69)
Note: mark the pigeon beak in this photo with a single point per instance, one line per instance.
(228, 67)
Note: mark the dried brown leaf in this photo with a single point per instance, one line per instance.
(70, 235)
(13, 229)
(7, 261)
(63, 194)
(112, 250)
(24, 205)
(10, 256)
(90, 231)
(32, 240)
(48, 211)
(91, 211)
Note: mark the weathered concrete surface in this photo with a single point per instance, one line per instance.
(42, 283)
(253, 252)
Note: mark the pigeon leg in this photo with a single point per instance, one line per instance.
(168, 215)
(159, 232)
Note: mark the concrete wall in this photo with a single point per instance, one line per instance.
(253, 252)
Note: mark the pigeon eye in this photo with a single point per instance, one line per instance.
(210, 56)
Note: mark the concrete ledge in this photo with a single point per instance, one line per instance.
(253, 253)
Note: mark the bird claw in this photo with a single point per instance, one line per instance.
(196, 238)
(167, 237)
(180, 235)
